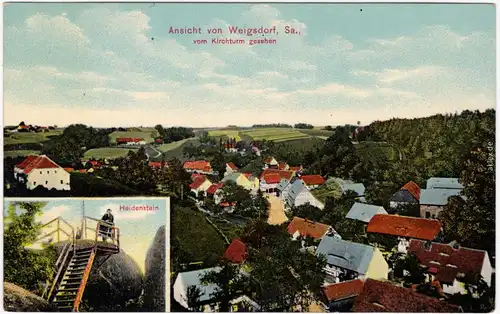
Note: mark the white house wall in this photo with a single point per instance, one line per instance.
(306, 197)
(50, 178)
(487, 270)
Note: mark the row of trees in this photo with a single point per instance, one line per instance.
(174, 134)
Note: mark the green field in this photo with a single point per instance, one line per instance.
(28, 137)
(332, 189)
(323, 134)
(171, 146)
(195, 235)
(18, 153)
(106, 152)
(225, 133)
(147, 134)
(274, 134)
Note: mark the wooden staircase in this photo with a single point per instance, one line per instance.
(74, 265)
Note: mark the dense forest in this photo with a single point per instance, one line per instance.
(174, 134)
(273, 125)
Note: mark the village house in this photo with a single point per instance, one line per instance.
(408, 194)
(236, 252)
(283, 188)
(270, 178)
(198, 166)
(130, 141)
(312, 181)
(433, 201)
(340, 297)
(350, 260)
(405, 228)
(299, 194)
(300, 227)
(248, 182)
(383, 296)
(230, 148)
(452, 267)
(230, 168)
(283, 166)
(40, 170)
(23, 128)
(200, 184)
(364, 212)
(94, 164)
(270, 163)
(157, 165)
(444, 183)
(207, 302)
(296, 169)
(256, 150)
(215, 191)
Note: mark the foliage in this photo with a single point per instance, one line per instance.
(480, 298)
(472, 221)
(193, 298)
(24, 267)
(273, 125)
(135, 172)
(303, 126)
(228, 282)
(251, 206)
(408, 269)
(174, 134)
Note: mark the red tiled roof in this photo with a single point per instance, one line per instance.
(68, 169)
(269, 175)
(306, 227)
(232, 166)
(196, 175)
(129, 139)
(214, 187)
(226, 204)
(295, 168)
(236, 252)
(82, 170)
(95, 163)
(158, 140)
(155, 164)
(382, 296)
(410, 227)
(24, 126)
(343, 290)
(313, 179)
(37, 162)
(197, 182)
(247, 174)
(201, 165)
(282, 165)
(268, 160)
(439, 256)
(413, 189)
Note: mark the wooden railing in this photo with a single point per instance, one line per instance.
(115, 231)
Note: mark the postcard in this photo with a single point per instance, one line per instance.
(87, 255)
(318, 157)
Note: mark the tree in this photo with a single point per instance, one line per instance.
(408, 269)
(22, 266)
(175, 178)
(228, 282)
(193, 298)
(472, 221)
(338, 154)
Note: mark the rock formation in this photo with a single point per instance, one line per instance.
(154, 286)
(17, 299)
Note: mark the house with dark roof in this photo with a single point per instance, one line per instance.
(364, 212)
(452, 266)
(405, 228)
(408, 194)
(300, 227)
(383, 296)
(42, 171)
(340, 297)
(433, 201)
(348, 260)
(298, 194)
(236, 252)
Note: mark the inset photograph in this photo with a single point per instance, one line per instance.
(85, 255)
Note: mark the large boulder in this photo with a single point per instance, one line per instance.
(154, 286)
(113, 283)
(17, 299)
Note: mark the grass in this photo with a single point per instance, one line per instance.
(195, 235)
(20, 153)
(230, 230)
(29, 137)
(106, 152)
(317, 132)
(274, 134)
(170, 146)
(330, 190)
(177, 152)
(225, 133)
(147, 134)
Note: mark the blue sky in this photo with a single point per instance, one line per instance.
(137, 228)
(82, 63)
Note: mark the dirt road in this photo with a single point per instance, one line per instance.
(276, 211)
